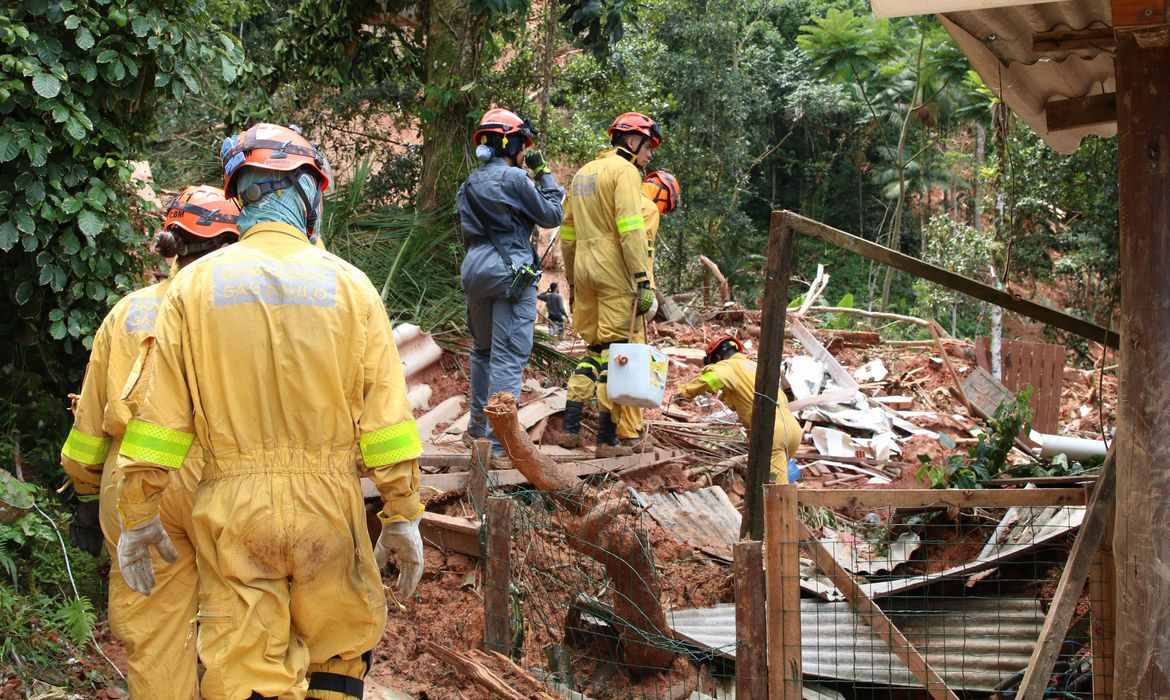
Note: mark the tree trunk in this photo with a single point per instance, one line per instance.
(451, 60)
(606, 533)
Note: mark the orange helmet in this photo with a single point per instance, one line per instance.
(505, 122)
(636, 123)
(662, 188)
(271, 147)
(717, 343)
(203, 211)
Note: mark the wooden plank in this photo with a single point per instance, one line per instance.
(751, 628)
(457, 481)
(777, 272)
(790, 589)
(1041, 480)
(1041, 366)
(1079, 112)
(1098, 519)
(450, 533)
(951, 280)
(497, 576)
(1140, 543)
(774, 598)
(955, 498)
(873, 616)
(1060, 42)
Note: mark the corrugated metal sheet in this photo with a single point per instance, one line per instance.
(974, 643)
(998, 43)
(706, 518)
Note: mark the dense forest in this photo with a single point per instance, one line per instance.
(877, 127)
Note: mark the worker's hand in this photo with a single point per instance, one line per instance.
(647, 302)
(85, 530)
(402, 539)
(134, 553)
(534, 159)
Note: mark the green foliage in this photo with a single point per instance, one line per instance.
(988, 458)
(79, 81)
(41, 621)
(959, 248)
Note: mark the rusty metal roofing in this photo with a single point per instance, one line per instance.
(705, 519)
(975, 643)
(998, 43)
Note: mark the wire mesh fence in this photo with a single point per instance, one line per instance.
(863, 600)
(943, 600)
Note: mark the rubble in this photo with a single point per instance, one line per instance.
(874, 410)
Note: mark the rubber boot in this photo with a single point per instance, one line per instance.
(608, 444)
(571, 430)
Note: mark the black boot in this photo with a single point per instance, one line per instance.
(608, 444)
(571, 429)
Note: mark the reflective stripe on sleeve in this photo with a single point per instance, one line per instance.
(391, 445)
(629, 223)
(147, 442)
(568, 233)
(85, 448)
(712, 381)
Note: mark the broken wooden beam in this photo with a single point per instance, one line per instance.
(449, 533)
(951, 280)
(1079, 112)
(873, 616)
(1098, 522)
(724, 287)
(474, 670)
(813, 347)
(457, 481)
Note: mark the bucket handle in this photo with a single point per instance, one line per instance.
(634, 321)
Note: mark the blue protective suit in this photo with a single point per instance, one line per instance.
(500, 201)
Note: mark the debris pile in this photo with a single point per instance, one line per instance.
(611, 556)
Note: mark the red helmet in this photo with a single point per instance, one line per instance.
(203, 211)
(271, 147)
(715, 345)
(666, 191)
(501, 121)
(636, 123)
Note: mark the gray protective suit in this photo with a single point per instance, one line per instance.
(498, 207)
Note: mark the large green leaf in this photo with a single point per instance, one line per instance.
(8, 236)
(90, 223)
(46, 85)
(9, 147)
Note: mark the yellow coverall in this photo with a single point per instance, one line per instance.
(279, 357)
(736, 378)
(158, 630)
(589, 377)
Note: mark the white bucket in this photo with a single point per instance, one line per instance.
(637, 375)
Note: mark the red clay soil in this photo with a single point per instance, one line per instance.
(447, 610)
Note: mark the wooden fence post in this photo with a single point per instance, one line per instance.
(751, 628)
(783, 594)
(477, 478)
(497, 576)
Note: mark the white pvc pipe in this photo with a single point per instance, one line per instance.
(1073, 447)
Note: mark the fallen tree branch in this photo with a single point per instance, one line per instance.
(479, 674)
(724, 287)
(540, 470)
(604, 533)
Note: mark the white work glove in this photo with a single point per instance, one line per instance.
(653, 310)
(403, 540)
(134, 553)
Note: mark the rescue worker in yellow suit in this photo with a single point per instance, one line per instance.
(661, 195)
(729, 371)
(607, 259)
(158, 631)
(278, 358)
